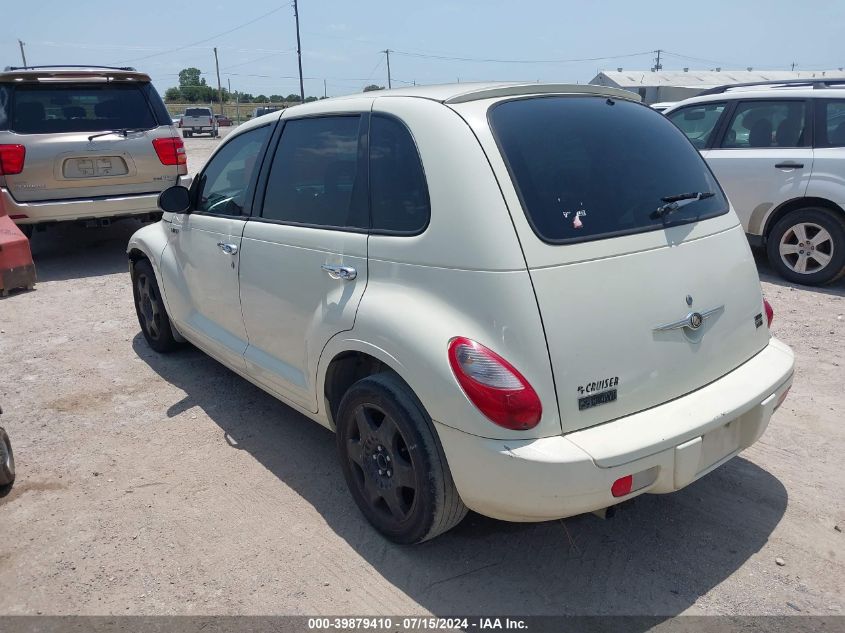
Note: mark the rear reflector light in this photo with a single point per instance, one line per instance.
(622, 486)
(12, 158)
(770, 314)
(494, 386)
(21, 216)
(171, 151)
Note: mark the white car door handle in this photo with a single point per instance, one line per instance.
(790, 165)
(347, 273)
(226, 247)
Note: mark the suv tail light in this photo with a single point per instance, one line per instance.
(12, 158)
(770, 314)
(171, 150)
(494, 386)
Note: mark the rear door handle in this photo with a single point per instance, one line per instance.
(789, 165)
(226, 247)
(347, 273)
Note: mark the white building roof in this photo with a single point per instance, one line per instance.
(703, 79)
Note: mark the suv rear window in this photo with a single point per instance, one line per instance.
(587, 168)
(46, 109)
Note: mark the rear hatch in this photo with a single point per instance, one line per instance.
(86, 139)
(639, 306)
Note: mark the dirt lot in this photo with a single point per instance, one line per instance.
(167, 485)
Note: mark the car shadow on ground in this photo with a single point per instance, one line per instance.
(70, 251)
(656, 557)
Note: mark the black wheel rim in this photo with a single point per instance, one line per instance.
(149, 306)
(381, 464)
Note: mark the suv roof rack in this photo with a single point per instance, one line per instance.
(814, 83)
(60, 66)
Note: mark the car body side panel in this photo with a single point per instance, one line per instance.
(411, 312)
(828, 180)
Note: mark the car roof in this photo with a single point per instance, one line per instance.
(472, 91)
(802, 92)
(72, 73)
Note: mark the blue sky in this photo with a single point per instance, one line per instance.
(341, 40)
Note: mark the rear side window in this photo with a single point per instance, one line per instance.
(398, 192)
(4, 106)
(46, 109)
(766, 124)
(832, 130)
(698, 121)
(590, 167)
(314, 178)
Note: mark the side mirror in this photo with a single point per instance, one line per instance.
(175, 200)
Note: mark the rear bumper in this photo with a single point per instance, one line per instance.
(666, 448)
(78, 208)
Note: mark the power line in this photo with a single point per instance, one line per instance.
(517, 61)
(207, 39)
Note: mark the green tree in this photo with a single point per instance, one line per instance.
(372, 87)
(310, 99)
(173, 95)
(190, 77)
(261, 99)
(276, 98)
(293, 98)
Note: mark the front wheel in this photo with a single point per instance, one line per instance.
(7, 464)
(152, 316)
(393, 463)
(807, 246)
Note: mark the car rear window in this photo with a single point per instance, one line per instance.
(197, 112)
(45, 109)
(587, 168)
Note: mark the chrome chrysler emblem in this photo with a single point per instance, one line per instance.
(692, 321)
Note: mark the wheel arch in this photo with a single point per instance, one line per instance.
(347, 362)
(795, 204)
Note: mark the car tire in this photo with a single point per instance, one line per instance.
(149, 305)
(7, 464)
(807, 246)
(393, 462)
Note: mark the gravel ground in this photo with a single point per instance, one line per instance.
(167, 485)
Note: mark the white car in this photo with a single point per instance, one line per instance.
(663, 106)
(485, 290)
(778, 149)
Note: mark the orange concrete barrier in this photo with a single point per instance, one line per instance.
(16, 267)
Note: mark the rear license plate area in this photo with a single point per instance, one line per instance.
(94, 167)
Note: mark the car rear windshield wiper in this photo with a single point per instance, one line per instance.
(674, 202)
(123, 131)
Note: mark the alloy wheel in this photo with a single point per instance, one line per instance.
(806, 248)
(381, 463)
(149, 306)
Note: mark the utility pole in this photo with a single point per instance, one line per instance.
(23, 54)
(325, 93)
(793, 65)
(657, 65)
(219, 89)
(389, 82)
(299, 51)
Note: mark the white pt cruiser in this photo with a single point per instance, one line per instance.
(532, 301)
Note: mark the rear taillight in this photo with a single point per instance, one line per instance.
(494, 386)
(171, 151)
(12, 158)
(770, 314)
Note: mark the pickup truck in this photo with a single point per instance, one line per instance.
(199, 121)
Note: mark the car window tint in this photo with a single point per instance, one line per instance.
(758, 124)
(47, 109)
(834, 124)
(224, 182)
(592, 167)
(398, 192)
(314, 174)
(698, 121)
(198, 112)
